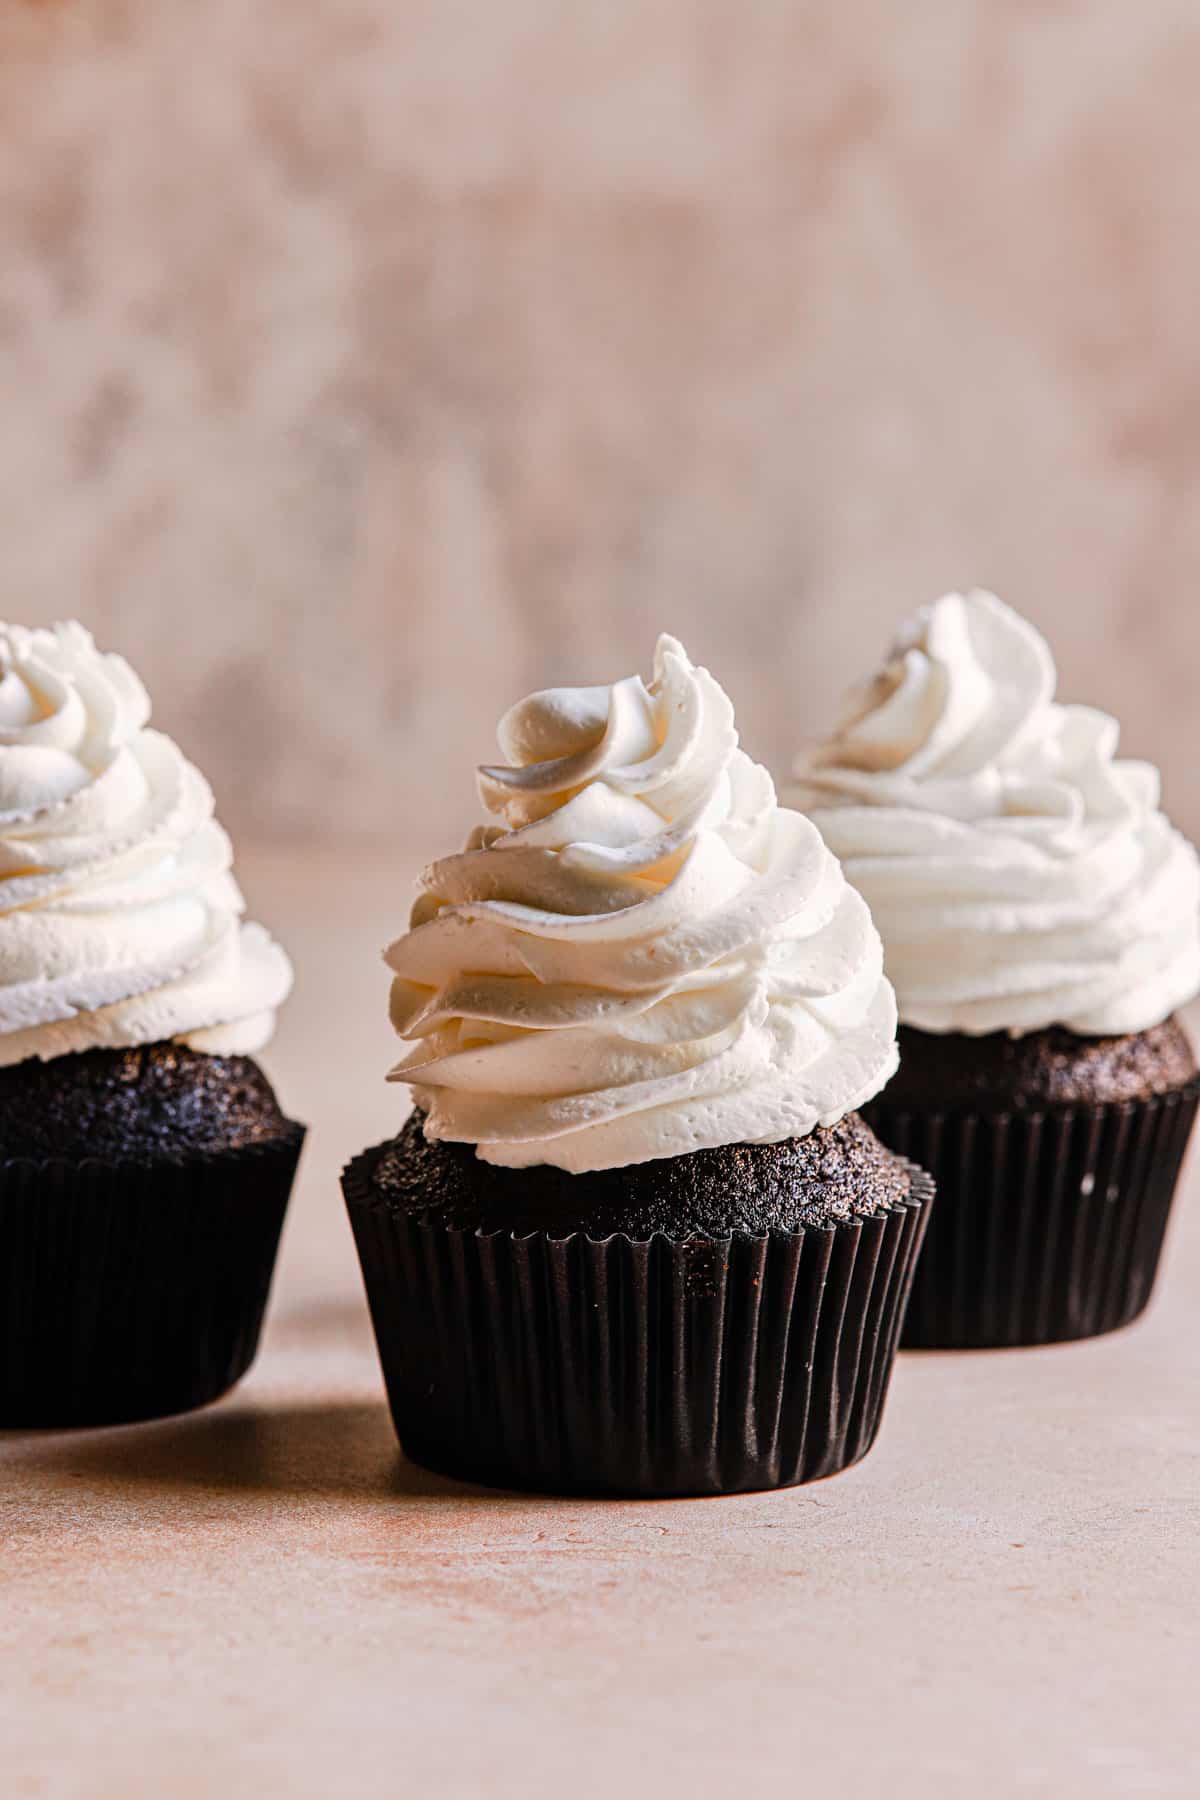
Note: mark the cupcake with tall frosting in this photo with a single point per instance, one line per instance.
(635, 1236)
(1041, 923)
(145, 1163)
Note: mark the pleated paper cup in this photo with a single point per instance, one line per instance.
(130, 1290)
(1049, 1225)
(574, 1364)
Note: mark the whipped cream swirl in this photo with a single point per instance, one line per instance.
(120, 922)
(1020, 874)
(649, 956)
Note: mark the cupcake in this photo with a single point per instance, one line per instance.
(1041, 924)
(145, 1164)
(635, 1238)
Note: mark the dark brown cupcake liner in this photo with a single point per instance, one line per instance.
(1049, 1225)
(129, 1290)
(667, 1366)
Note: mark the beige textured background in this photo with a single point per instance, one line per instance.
(365, 363)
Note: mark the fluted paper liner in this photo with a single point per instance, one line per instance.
(1049, 1225)
(129, 1290)
(665, 1366)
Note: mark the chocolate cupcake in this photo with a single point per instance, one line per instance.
(635, 1239)
(145, 1164)
(1041, 923)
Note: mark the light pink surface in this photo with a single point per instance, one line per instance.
(265, 1600)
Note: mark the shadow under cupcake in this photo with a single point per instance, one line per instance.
(582, 1273)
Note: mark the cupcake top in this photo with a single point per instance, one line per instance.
(649, 956)
(1021, 875)
(120, 922)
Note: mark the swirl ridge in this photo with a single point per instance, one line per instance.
(1021, 874)
(648, 956)
(120, 919)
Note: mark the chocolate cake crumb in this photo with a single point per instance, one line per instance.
(838, 1172)
(1055, 1066)
(157, 1100)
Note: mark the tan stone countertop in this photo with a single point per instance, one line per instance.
(263, 1599)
